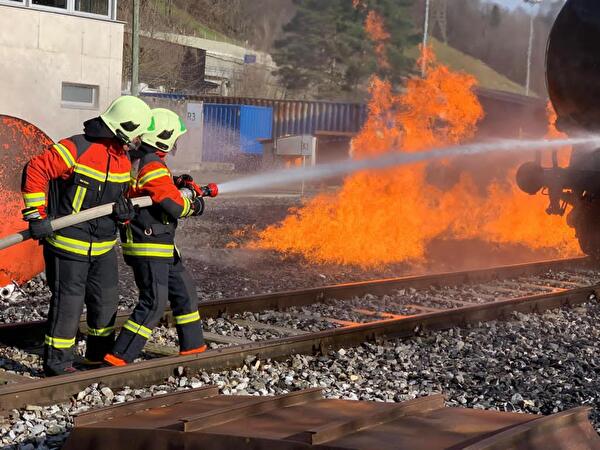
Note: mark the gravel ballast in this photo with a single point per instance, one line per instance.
(214, 251)
(535, 364)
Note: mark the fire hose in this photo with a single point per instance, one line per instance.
(210, 190)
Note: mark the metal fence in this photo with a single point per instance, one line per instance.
(507, 115)
(292, 117)
(510, 115)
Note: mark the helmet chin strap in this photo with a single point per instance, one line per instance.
(133, 145)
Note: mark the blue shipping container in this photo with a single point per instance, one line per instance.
(256, 122)
(234, 130)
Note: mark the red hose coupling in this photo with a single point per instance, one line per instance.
(211, 190)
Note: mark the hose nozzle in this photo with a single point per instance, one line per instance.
(210, 190)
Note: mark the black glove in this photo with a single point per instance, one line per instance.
(183, 180)
(40, 229)
(123, 210)
(198, 206)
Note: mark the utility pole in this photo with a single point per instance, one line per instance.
(425, 36)
(135, 49)
(439, 17)
(530, 46)
(529, 51)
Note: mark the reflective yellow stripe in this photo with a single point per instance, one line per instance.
(97, 175)
(35, 203)
(78, 199)
(100, 331)
(65, 154)
(124, 177)
(187, 318)
(59, 342)
(156, 250)
(153, 175)
(80, 247)
(30, 213)
(138, 329)
(89, 172)
(187, 206)
(34, 199)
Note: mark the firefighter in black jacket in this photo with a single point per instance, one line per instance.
(84, 171)
(149, 248)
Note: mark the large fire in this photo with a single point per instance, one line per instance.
(390, 216)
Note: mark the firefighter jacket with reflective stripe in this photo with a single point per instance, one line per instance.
(86, 172)
(151, 234)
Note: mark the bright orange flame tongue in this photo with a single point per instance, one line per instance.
(391, 216)
(379, 35)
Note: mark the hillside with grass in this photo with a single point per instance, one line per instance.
(175, 16)
(457, 60)
(189, 24)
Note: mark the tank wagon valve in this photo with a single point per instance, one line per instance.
(572, 71)
(554, 182)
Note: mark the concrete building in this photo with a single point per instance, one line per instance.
(235, 70)
(61, 61)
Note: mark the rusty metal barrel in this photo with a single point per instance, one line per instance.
(19, 142)
(573, 64)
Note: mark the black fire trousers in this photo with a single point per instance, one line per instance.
(74, 283)
(159, 282)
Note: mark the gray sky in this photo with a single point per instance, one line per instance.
(512, 4)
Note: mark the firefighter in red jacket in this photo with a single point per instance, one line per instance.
(148, 247)
(73, 175)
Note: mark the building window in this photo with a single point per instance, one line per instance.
(100, 7)
(79, 96)
(51, 3)
(89, 8)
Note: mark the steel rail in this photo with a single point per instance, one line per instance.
(12, 332)
(346, 291)
(60, 389)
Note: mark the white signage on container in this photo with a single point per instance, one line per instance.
(194, 115)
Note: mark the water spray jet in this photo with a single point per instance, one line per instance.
(394, 159)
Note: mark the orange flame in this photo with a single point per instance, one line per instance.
(393, 215)
(293, 163)
(564, 154)
(375, 28)
(381, 217)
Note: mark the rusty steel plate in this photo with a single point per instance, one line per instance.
(19, 142)
(573, 63)
(203, 420)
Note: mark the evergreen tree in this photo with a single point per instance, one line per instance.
(398, 23)
(325, 52)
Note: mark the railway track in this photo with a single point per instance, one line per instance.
(492, 294)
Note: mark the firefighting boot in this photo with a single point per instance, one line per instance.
(193, 351)
(114, 360)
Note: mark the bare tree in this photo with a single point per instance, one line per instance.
(264, 21)
(255, 24)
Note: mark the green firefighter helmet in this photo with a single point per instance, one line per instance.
(128, 117)
(168, 127)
